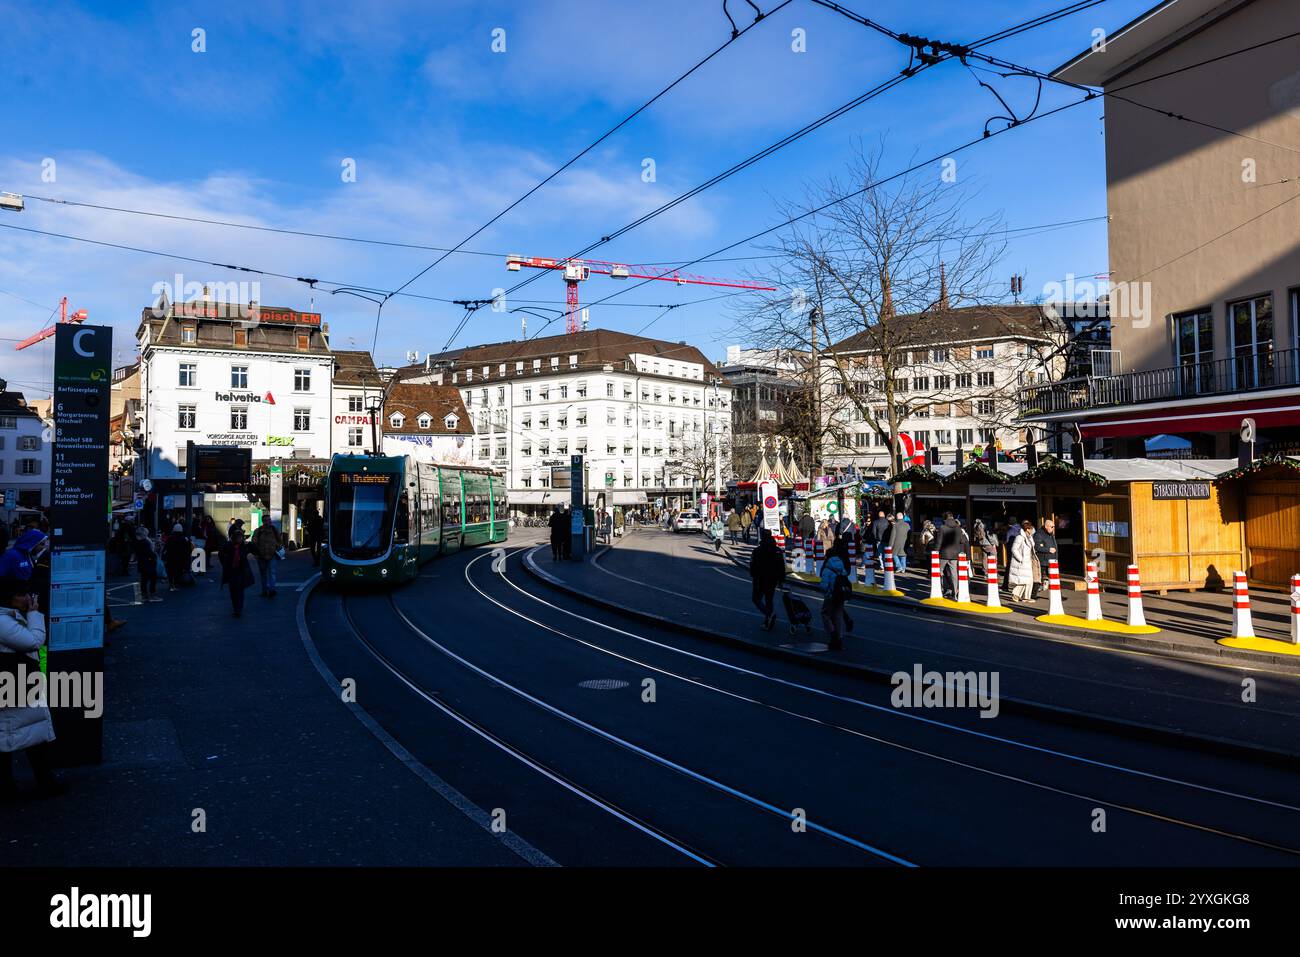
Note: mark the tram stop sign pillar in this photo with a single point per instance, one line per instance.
(577, 513)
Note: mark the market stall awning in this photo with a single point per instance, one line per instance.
(630, 497)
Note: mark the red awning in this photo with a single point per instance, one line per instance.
(1223, 416)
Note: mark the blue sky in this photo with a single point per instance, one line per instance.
(444, 133)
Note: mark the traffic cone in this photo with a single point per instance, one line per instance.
(1054, 606)
(1094, 593)
(936, 579)
(853, 561)
(1241, 624)
(889, 569)
(991, 570)
(1135, 616)
(963, 579)
(1295, 609)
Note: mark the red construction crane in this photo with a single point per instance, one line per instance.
(79, 316)
(579, 270)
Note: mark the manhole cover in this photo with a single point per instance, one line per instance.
(602, 684)
(809, 647)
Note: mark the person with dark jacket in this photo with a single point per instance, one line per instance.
(1045, 547)
(266, 548)
(314, 525)
(767, 569)
(176, 556)
(18, 562)
(146, 558)
(899, 533)
(235, 569)
(559, 529)
(807, 526)
(952, 542)
(878, 537)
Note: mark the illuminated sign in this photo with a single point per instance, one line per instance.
(286, 317)
(358, 478)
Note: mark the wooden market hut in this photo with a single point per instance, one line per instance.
(1165, 516)
(1267, 494)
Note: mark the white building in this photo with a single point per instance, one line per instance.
(641, 412)
(212, 373)
(357, 390)
(427, 422)
(955, 393)
(24, 451)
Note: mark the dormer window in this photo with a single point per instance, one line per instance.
(451, 421)
(189, 334)
(425, 420)
(396, 420)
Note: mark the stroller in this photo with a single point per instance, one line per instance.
(797, 611)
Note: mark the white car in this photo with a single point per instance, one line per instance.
(690, 521)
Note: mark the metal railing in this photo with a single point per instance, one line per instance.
(1245, 373)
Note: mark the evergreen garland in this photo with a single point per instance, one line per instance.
(1051, 466)
(1259, 465)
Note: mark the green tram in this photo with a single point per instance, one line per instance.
(385, 516)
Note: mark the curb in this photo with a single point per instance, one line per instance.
(1280, 664)
(1037, 709)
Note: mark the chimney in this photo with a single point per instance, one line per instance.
(943, 288)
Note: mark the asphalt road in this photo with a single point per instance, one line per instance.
(536, 709)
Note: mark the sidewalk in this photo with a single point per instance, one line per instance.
(680, 583)
(204, 711)
(1190, 622)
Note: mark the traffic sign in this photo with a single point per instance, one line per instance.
(138, 504)
(11, 498)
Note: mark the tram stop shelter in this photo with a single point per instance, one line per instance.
(1267, 494)
(1166, 516)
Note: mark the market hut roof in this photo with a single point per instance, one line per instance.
(1268, 463)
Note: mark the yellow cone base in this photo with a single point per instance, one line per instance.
(1114, 627)
(966, 606)
(877, 591)
(1267, 645)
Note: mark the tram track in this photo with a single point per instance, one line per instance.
(1151, 777)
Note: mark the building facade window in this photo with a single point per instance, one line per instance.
(239, 377)
(985, 380)
(1194, 349)
(425, 420)
(1251, 325)
(239, 419)
(187, 417)
(355, 439)
(355, 403)
(301, 380)
(302, 420)
(189, 375)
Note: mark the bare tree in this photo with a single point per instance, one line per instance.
(874, 286)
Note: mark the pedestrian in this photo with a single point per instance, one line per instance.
(836, 589)
(268, 546)
(879, 538)
(734, 525)
(213, 540)
(746, 524)
(807, 526)
(19, 559)
(1020, 573)
(176, 556)
(1045, 548)
(767, 570)
(717, 529)
(899, 533)
(987, 543)
(314, 526)
(236, 571)
(951, 543)
(25, 724)
(559, 525)
(146, 558)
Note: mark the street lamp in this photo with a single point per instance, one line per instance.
(12, 202)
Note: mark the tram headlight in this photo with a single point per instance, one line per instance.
(383, 573)
(333, 572)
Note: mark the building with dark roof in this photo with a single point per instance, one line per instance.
(428, 422)
(641, 411)
(24, 451)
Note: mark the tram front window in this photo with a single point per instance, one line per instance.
(361, 525)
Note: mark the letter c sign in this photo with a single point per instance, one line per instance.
(76, 342)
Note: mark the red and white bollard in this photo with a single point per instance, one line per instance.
(1054, 605)
(991, 570)
(889, 569)
(936, 578)
(1295, 609)
(798, 556)
(1241, 624)
(869, 567)
(963, 579)
(1135, 616)
(819, 557)
(1094, 593)
(853, 560)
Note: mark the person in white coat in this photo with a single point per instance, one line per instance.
(24, 726)
(1020, 574)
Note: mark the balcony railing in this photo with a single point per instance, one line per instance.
(1269, 370)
